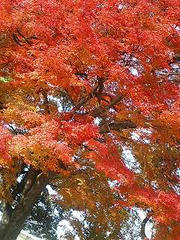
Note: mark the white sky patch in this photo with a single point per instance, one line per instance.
(178, 172)
(177, 27)
(64, 227)
(175, 66)
(141, 135)
(121, 6)
(113, 183)
(97, 121)
(130, 161)
(134, 71)
(57, 101)
(148, 228)
(50, 190)
(176, 187)
(25, 235)
(1, 214)
(132, 226)
(135, 136)
(78, 214)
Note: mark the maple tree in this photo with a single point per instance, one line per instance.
(79, 82)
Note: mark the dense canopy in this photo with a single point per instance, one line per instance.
(85, 83)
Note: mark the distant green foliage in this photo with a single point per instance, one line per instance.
(5, 79)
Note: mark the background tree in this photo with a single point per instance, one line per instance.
(90, 81)
(44, 218)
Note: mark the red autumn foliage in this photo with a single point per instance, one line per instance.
(113, 63)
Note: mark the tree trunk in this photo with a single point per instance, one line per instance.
(30, 194)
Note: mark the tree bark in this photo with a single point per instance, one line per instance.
(22, 210)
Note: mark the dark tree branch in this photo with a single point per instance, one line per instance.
(15, 130)
(20, 39)
(26, 39)
(81, 74)
(45, 101)
(100, 88)
(86, 99)
(96, 92)
(115, 101)
(117, 126)
(143, 225)
(96, 112)
(17, 40)
(7, 212)
(35, 184)
(177, 57)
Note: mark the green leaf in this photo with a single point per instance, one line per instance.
(5, 79)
